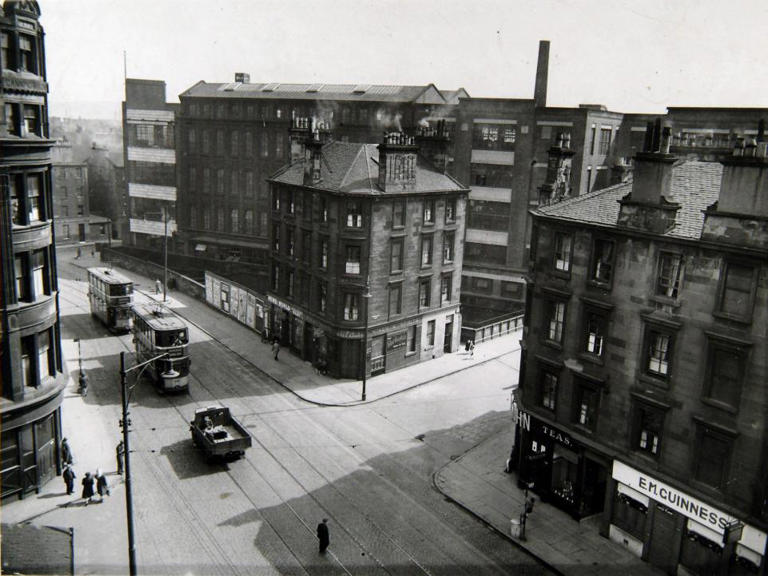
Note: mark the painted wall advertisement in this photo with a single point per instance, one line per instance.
(245, 306)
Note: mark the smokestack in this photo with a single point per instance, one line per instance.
(542, 73)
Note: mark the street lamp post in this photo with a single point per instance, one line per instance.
(125, 423)
(366, 300)
(165, 253)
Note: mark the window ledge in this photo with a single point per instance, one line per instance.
(552, 344)
(666, 300)
(560, 273)
(658, 382)
(591, 358)
(720, 405)
(601, 285)
(732, 318)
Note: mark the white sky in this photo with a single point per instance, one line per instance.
(631, 55)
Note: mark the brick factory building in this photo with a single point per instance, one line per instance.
(643, 394)
(366, 245)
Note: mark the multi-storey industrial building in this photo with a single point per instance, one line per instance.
(149, 126)
(233, 136)
(366, 245)
(643, 393)
(32, 378)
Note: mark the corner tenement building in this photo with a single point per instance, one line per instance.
(32, 379)
(644, 370)
(366, 251)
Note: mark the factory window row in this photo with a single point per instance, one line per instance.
(345, 113)
(234, 220)
(215, 142)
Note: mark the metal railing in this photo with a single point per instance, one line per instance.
(493, 328)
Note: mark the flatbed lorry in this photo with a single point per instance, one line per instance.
(218, 434)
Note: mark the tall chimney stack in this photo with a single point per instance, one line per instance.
(542, 73)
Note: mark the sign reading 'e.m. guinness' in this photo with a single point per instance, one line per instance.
(531, 424)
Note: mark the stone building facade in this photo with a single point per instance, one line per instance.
(32, 366)
(366, 246)
(643, 394)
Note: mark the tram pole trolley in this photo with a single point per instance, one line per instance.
(218, 434)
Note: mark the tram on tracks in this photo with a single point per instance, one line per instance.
(111, 296)
(159, 332)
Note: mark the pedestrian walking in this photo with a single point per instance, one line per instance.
(102, 486)
(323, 536)
(87, 483)
(158, 286)
(66, 452)
(69, 479)
(471, 348)
(120, 455)
(466, 344)
(276, 348)
(82, 384)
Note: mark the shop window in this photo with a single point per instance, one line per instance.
(725, 372)
(701, 551)
(396, 255)
(426, 250)
(449, 241)
(425, 287)
(630, 514)
(429, 212)
(669, 274)
(411, 340)
(737, 291)
(548, 388)
(602, 261)
(587, 401)
(352, 264)
(565, 470)
(563, 247)
(351, 306)
(354, 215)
(395, 299)
(712, 455)
(431, 333)
(446, 287)
(450, 211)
(555, 321)
(658, 353)
(11, 470)
(647, 429)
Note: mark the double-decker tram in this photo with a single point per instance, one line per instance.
(111, 295)
(157, 331)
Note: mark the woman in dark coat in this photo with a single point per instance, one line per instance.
(66, 452)
(102, 486)
(87, 488)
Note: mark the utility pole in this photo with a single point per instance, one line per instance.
(165, 253)
(366, 300)
(125, 423)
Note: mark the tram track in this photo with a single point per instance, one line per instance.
(184, 504)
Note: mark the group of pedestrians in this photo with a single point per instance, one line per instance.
(93, 484)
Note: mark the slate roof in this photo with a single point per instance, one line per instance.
(695, 186)
(354, 169)
(427, 94)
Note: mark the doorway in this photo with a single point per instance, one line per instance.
(662, 551)
(378, 355)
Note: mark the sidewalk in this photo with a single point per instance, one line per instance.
(477, 482)
(300, 377)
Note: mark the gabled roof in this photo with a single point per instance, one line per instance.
(428, 94)
(353, 168)
(695, 186)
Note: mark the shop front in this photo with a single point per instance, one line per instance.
(559, 468)
(677, 532)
